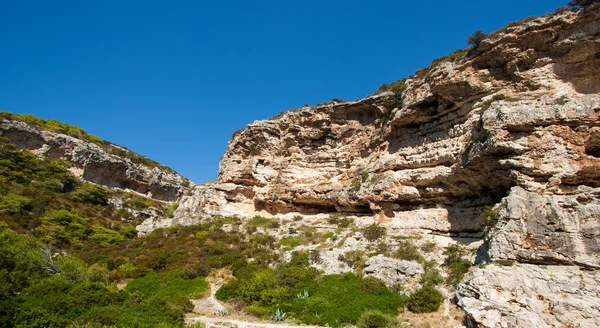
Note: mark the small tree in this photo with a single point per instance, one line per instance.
(475, 39)
(582, 3)
(427, 299)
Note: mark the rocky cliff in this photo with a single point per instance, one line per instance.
(520, 110)
(98, 162)
(502, 141)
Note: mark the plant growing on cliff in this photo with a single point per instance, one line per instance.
(475, 39)
(457, 266)
(408, 251)
(374, 232)
(582, 3)
(488, 218)
(397, 98)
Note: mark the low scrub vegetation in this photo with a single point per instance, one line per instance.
(64, 248)
(374, 232)
(334, 300)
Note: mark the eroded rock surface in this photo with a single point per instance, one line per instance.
(525, 295)
(521, 110)
(548, 229)
(512, 125)
(95, 163)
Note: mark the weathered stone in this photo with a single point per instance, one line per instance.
(520, 111)
(547, 229)
(393, 271)
(95, 164)
(526, 295)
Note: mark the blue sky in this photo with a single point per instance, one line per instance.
(172, 80)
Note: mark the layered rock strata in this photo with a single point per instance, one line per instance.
(508, 132)
(520, 110)
(97, 164)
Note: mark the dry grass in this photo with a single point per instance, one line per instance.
(448, 316)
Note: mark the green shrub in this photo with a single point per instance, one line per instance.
(454, 253)
(374, 232)
(21, 262)
(54, 126)
(354, 259)
(259, 221)
(171, 209)
(396, 100)
(341, 222)
(227, 291)
(457, 270)
(290, 241)
(429, 247)
(91, 194)
(337, 300)
(488, 218)
(377, 319)
(104, 236)
(432, 275)
(426, 299)
(475, 39)
(159, 260)
(408, 251)
(13, 203)
(63, 228)
(168, 285)
(372, 285)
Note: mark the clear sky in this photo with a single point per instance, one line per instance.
(172, 80)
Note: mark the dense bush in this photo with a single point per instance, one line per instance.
(377, 319)
(374, 232)
(475, 39)
(41, 197)
(21, 262)
(338, 300)
(168, 284)
(426, 299)
(91, 194)
(457, 270)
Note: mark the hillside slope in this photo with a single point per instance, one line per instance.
(93, 159)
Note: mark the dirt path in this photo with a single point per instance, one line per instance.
(212, 322)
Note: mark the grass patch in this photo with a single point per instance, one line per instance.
(259, 221)
(168, 284)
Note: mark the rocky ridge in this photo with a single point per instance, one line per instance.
(508, 132)
(109, 165)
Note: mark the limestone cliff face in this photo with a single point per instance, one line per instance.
(521, 110)
(513, 125)
(109, 165)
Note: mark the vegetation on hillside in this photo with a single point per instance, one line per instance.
(64, 249)
(77, 132)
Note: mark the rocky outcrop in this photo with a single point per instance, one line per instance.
(108, 165)
(525, 295)
(510, 130)
(395, 272)
(547, 229)
(440, 146)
